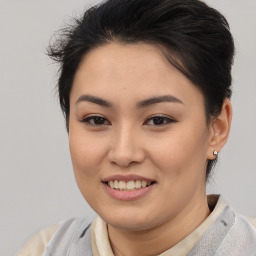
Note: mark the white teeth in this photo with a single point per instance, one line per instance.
(143, 183)
(122, 185)
(111, 184)
(137, 183)
(130, 185)
(116, 184)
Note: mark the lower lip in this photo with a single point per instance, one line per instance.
(125, 195)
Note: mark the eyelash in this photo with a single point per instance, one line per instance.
(164, 119)
(94, 118)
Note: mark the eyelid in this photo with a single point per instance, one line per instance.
(168, 118)
(89, 117)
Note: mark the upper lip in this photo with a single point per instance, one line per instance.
(126, 178)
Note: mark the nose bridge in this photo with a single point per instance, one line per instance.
(124, 140)
(126, 147)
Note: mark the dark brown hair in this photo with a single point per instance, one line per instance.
(195, 38)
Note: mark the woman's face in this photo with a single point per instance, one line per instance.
(138, 136)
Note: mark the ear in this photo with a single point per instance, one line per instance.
(219, 129)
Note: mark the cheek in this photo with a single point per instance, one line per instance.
(85, 155)
(181, 168)
(85, 152)
(181, 153)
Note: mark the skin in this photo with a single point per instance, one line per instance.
(173, 151)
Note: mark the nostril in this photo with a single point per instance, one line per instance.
(125, 150)
(126, 158)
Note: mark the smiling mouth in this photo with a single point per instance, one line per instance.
(128, 186)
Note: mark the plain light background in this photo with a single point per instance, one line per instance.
(37, 187)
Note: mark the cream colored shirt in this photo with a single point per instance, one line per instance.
(101, 245)
(100, 242)
(36, 245)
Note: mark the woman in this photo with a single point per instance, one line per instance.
(145, 90)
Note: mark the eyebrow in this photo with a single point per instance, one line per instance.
(94, 99)
(158, 99)
(143, 103)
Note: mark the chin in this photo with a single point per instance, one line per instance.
(130, 225)
(130, 221)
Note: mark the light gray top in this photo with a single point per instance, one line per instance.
(229, 235)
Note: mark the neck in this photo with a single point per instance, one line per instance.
(157, 240)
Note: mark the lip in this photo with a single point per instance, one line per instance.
(125, 195)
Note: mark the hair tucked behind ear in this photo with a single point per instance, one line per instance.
(194, 37)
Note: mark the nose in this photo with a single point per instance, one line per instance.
(126, 148)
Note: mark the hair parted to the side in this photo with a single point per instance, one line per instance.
(195, 38)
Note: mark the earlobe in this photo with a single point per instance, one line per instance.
(220, 128)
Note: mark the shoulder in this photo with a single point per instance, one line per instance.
(231, 233)
(252, 221)
(58, 239)
(241, 238)
(36, 245)
(245, 224)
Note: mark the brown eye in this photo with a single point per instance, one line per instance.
(159, 120)
(96, 120)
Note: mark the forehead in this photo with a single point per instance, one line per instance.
(116, 59)
(130, 70)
